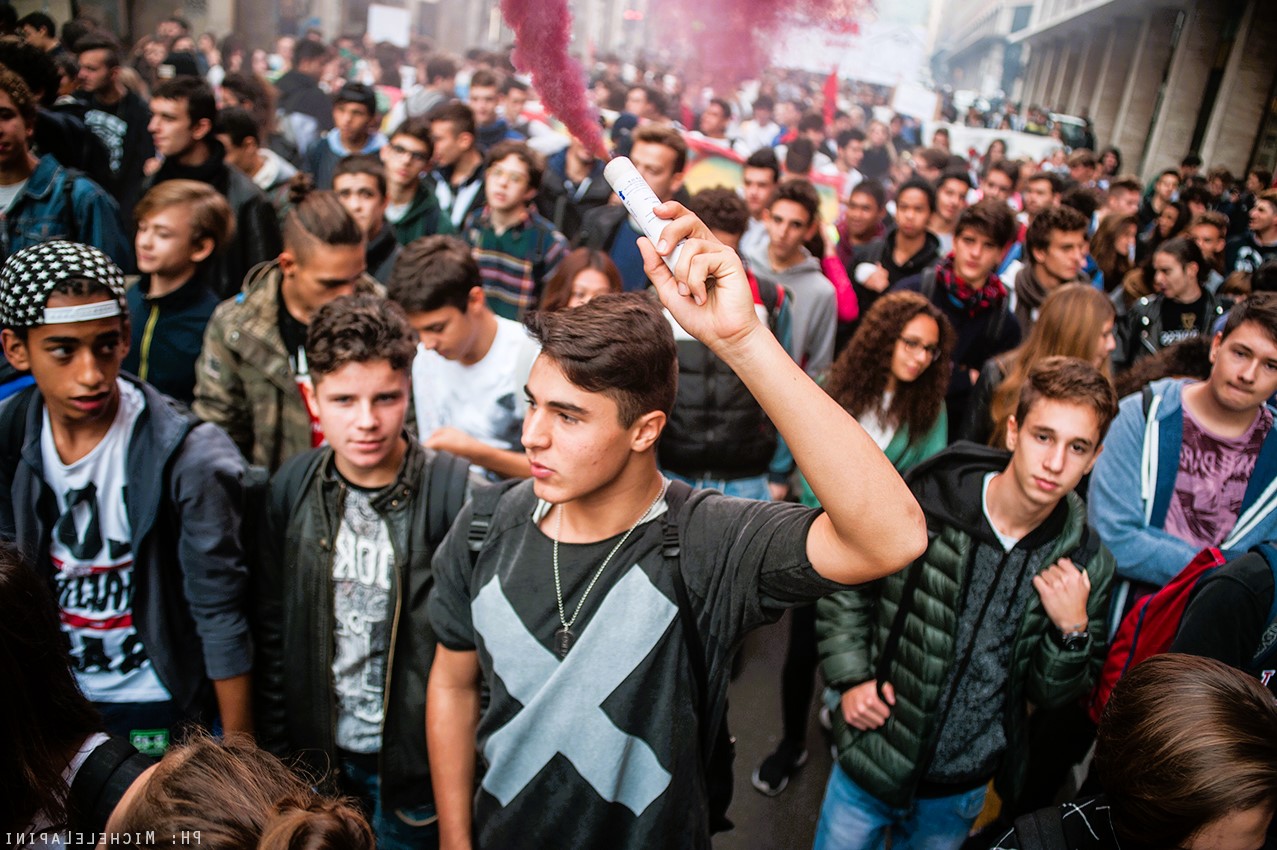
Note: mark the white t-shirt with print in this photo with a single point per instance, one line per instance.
(92, 553)
(485, 400)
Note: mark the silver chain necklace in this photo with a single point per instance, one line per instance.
(565, 637)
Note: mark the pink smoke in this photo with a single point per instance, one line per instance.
(727, 41)
(542, 30)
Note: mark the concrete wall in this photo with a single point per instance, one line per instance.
(1248, 78)
(1152, 50)
(1186, 82)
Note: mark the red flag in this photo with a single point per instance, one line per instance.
(831, 97)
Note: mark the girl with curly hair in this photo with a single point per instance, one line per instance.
(893, 375)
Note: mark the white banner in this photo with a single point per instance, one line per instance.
(885, 54)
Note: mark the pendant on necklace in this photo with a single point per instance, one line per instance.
(563, 640)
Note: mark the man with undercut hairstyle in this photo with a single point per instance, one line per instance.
(182, 114)
(127, 505)
(344, 641)
(600, 605)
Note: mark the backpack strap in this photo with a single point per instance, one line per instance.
(671, 550)
(1268, 639)
(446, 482)
(483, 504)
(1041, 830)
(927, 287)
(1146, 399)
(13, 428)
(100, 783)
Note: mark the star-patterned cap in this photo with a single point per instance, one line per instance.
(29, 276)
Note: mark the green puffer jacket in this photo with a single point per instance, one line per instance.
(853, 627)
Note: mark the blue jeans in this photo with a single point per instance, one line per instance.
(416, 828)
(744, 488)
(851, 818)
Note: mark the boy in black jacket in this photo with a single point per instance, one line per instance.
(344, 574)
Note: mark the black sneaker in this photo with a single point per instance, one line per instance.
(772, 776)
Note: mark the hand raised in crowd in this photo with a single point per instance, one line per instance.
(864, 709)
(708, 293)
(878, 281)
(1064, 589)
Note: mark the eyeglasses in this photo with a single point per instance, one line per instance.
(913, 346)
(415, 156)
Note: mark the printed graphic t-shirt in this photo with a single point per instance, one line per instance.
(1213, 475)
(603, 748)
(92, 554)
(363, 576)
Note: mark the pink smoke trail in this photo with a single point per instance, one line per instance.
(542, 30)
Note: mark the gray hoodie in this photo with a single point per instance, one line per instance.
(813, 306)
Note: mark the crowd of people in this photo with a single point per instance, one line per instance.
(369, 478)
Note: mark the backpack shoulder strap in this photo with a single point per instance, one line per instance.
(1268, 638)
(446, 482)
(484, 503)
(671, 550)
(927, 287)
(100, 783)
(1146, 399)
(1041, 830)
(292, 479)
(13, 427)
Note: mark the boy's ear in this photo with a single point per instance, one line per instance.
(15, 350)
(1013, 433)
(203, 250)
(646, 430)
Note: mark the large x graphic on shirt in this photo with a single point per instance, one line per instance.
(561, 699)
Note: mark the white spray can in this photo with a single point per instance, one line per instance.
(639, 200)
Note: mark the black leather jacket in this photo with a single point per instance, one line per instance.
(295, 701)
(1142, 327)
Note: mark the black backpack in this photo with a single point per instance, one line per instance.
(720, 747)
(1041, 830)
(99, 784)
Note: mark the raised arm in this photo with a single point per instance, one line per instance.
(872, 525)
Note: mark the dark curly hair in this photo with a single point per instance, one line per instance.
(359, 329)
(859, 376)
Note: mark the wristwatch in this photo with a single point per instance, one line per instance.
(1074, 639)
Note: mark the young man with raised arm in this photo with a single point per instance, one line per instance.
(568, 614)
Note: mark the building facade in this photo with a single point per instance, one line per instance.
(1160, 79)
(973, 48)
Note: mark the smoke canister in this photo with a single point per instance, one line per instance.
(639, 200)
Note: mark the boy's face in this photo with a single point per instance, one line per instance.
(325, 273)
(362, 407)
(656, 163)
(863, 214)
(171, 127)
(449, 332)
(789, 226)
(1209, 239)
(1057, 443)
(574, 438)
(1243, 368)
(759, 183)
(506, 185)
(912, 211)
(449, 144)
(15, 135)
(362, 198)
(352, 121)
(515, 100)
(1037, 196)
(483, 102)
(406, 158)
(166, 244)
(951, 198)
(975, 254)
(997, 186)
(1064, 255)
(75, 364)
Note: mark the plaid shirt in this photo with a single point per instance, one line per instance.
(516, 264)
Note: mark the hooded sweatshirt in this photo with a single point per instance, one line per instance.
(815, 309)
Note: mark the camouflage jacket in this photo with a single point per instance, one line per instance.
(244, 381)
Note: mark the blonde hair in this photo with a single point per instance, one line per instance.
(211, 216)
